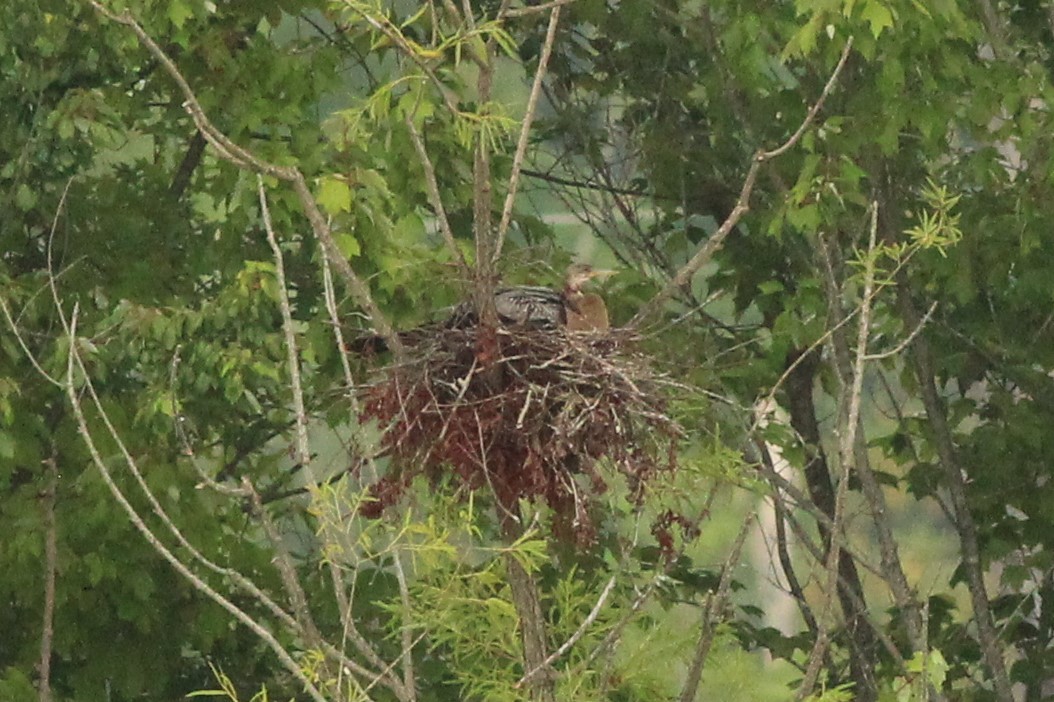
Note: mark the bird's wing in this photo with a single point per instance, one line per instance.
(530, 304)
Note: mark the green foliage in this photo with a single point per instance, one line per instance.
(227, 689)
(925, 671)
(935, 139)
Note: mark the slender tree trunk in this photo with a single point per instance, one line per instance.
(529, 608)
(50, 567)
(862, 644)
(922, 365)
(892, 569)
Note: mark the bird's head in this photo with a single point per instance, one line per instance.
(578, 274)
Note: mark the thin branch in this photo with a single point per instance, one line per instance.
(707, 250)
(896, 350)
(155, 505)
(392, 33)
(779, 504)
(245, 159)
(848, 368)
(604, 188)
(435, 199)
(573, 639)
(235, 576)
(358, 288)
(25, 347)
(227, 148)
(781, 485)
(525, 131)
(51, 283)
(863, 333)
(966, 529)
(181, 436)
(47, 634)
(304, 454)
(406, 633)
(714, 605)
(303, 451)
(74, 361)
(535, 9)
(850, 401)
(642, 596)
(284, 563)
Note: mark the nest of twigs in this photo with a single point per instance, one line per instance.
(525, 413)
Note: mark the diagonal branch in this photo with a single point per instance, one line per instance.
(245, 159)
(711, 613)
(707, 250)
(525, 130)
(573, 639)
(922, 365)
(73, 362)
(435, 198)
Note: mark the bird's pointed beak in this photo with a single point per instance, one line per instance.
(601, 273)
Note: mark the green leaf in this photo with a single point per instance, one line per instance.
(25, 198)
(334, 195)
(876, 14)
(179, 12)
(7, 445)
(348, 244)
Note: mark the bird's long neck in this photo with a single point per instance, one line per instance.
(572, 294)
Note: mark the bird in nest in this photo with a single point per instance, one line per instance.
(568, 307)
(524, 305)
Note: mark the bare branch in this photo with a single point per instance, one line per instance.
(283, 562)
(535, 9)
(74, 361)
(435, 198)
(525, 130)
(780, 507)
(711, 613)
(850, 400)
(406, 634)
(47, 633)
(51, 284)
(896, 350)
(863, 332)
(921, 357)
(297, 595)
(227, 148)
(303, 452)
(573, 639)
(245, 159)
(817, 106)
(181, 436)
(707, 250)
(25, 347)
(892, 570)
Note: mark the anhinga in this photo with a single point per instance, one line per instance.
(585, 311)
(568, 307)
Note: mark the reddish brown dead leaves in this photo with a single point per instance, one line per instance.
(533, 423)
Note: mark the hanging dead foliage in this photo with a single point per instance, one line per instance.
(525, 413)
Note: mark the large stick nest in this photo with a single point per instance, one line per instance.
(524, 412)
